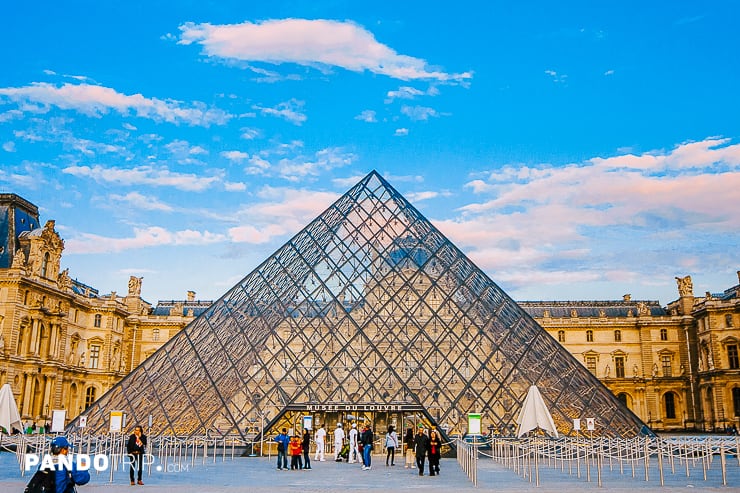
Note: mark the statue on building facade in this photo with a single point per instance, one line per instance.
(19, 259)
(63, 281)
(134, 286)
(685, 286)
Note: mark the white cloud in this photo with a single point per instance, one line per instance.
(9, 146)
(310, 43)
(140, 201)
(231, 186)
(96, 101)
(415, 197)
(401, 132)
(367, 116)
(250, 133)
(153, 236)
(404, 92)
(144, 175)
(419, 113)
(236, 156)
(557, 78)
(534, 214)
(289, 110)
(609, 72)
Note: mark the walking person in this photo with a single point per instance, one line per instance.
(283, 441)
(338, 442)
(319, 439)
(409, 443)
(421, 448)
(135, 447)
(391, 444)
(306, 445)
(367, 444)
(353, 450)
(434, 452)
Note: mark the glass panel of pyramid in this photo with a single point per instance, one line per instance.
(368, 308)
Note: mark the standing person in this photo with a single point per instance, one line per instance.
(283, 441)
(135, 447)
(319, 439)
(409, 439)
(62, 476)
(338, 442)
(353, 444)
(295, 449)
(306, 445)
(434, 452)
(367, 447)
(391, 443)
(421, 448)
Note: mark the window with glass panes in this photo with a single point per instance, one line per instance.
(732, 358)
(666, 361)
(94, 355)
(589, 336)
(591, 363)
(619, 366)
(663, 334)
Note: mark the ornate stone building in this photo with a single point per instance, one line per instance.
(63, 344)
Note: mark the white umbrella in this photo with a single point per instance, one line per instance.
(534, 414)
(9, 416)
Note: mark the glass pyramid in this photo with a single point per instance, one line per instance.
(369, 312)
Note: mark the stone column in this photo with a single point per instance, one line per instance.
(26, 405)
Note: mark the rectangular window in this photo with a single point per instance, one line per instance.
(663, 334)
(617, 336)
(732, 358)
(619, 366)
(666, 360)
(94, 355)
(591, 364)
(155, 334)
(589, 336)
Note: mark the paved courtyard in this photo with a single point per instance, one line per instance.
(260, 475)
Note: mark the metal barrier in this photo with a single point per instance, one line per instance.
(589, 457)
(467, 457)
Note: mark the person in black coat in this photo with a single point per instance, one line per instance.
(306, 445)
(136, 447)
(421, 448)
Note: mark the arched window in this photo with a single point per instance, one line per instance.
(98, 319)
(561, 336)
(45, 264)
(622, 397)
(670, 405)
(617, 336)
(589, 336)
(89, 396)
(736, 400)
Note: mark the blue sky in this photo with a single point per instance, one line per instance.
(574, 150)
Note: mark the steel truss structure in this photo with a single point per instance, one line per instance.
(368, 307)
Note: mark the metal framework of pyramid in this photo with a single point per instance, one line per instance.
(369, 307)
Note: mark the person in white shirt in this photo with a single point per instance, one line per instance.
(338, 442)
(353, 453)
(319, 439)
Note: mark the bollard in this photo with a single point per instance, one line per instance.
(723, 463)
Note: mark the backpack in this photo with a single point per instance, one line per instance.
(43, 481)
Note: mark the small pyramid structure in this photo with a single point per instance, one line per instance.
(368, 308)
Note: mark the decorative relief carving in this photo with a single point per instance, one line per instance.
(685, 286)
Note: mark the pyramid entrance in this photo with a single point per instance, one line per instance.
(368, 309)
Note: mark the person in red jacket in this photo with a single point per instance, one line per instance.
(295, 450)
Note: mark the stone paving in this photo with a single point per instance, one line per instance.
(260, 475)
